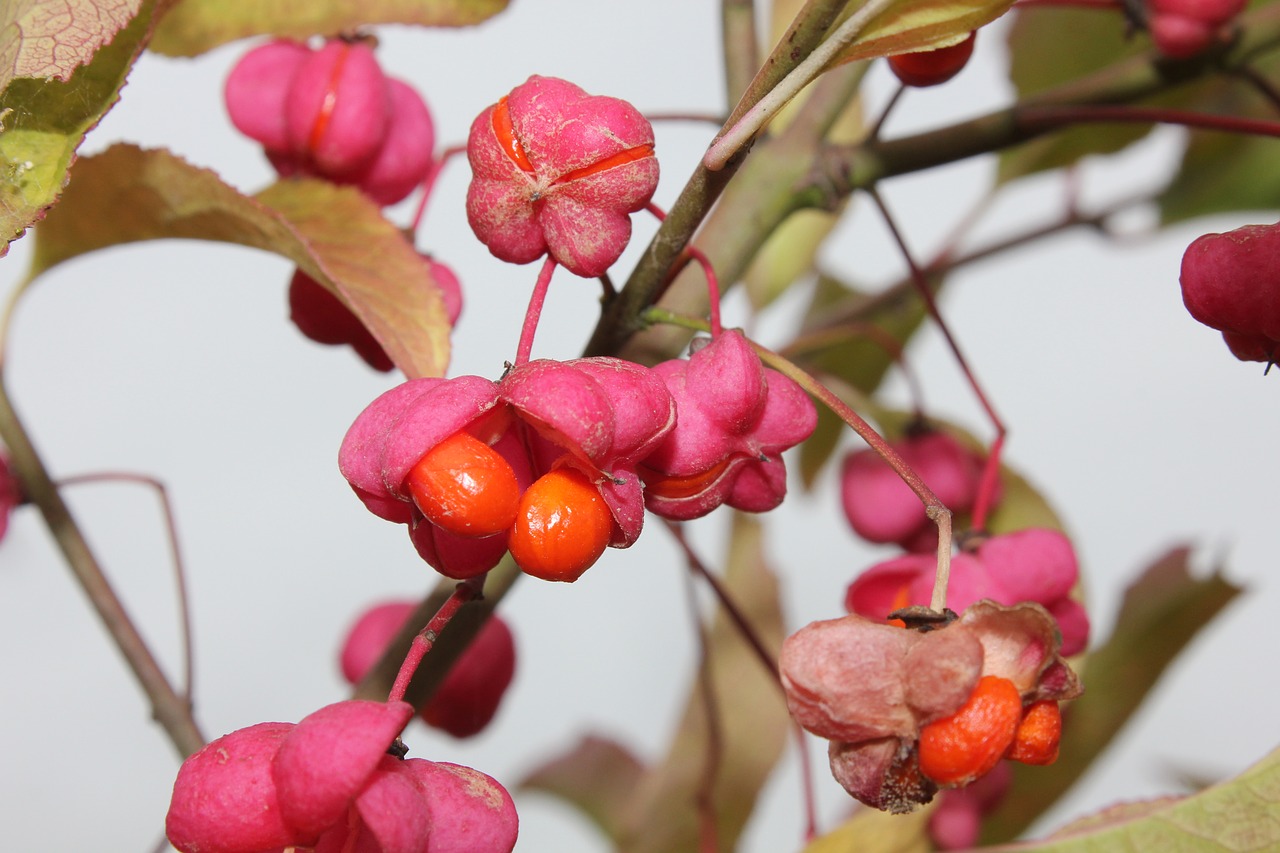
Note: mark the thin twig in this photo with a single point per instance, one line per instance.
(175, 556)
(169, 708)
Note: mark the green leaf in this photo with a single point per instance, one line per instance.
(911, 25)
(1241, 815)
(598, 775)
(1021, 506)
(1223, 172)
(195, 26)
(752, 721)
(43, 119)
(335, 234)
(1040, 59)
(1161, 613)
(52, 38)
(877, 832)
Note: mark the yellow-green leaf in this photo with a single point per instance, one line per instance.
(335, 234)
(195, 26)
(877, 832)
(1241, 815)
(43, 118)
(910, 25)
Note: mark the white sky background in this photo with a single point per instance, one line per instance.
(177, 360)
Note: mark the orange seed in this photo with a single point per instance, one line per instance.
(562, 526)
(1036, 741)
(968, 744)
(464, 486)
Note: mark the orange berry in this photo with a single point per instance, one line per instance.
(562, 527)
(1036, 741)
(464, 486)
(968, 744)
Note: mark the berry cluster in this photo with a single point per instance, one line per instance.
(557, 460)
(910, 711)
(1229, 283)
(335, 781)
(469, 696)
(332, 113)
(1182, 29)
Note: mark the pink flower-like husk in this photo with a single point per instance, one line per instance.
(607, 414)
(600, 415)
(326, 759)
(257, 87)
(344, 80)
(224, 798)
(396, 429)
(469, 811)
(734, 419)
(394, 814)
(1036, 564)
(583, 221)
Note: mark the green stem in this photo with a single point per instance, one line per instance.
(741, 46)
(846, 168)
(620, 319)
(169, 708)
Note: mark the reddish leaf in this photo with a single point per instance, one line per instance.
(335, 234)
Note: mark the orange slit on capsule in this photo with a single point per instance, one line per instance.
(506, 133)
(620, 159)
(321, 123)
(674, 488)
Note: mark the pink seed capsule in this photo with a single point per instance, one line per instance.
(338, 109)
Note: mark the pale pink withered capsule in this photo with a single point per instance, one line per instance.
(870, 687)
(558, 171)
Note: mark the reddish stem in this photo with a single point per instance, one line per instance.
(991, 469)
(465, 591)
(713, 282)
(534, 313)
(429, 182)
